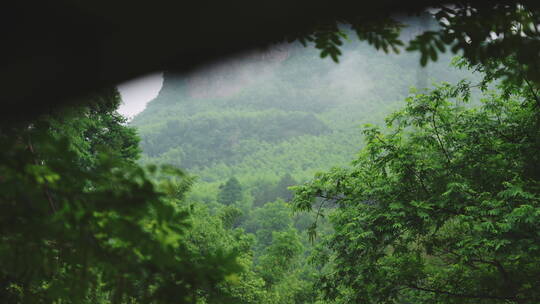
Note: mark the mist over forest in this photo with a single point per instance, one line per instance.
(281, 110)
(251, 127)
(321, 170)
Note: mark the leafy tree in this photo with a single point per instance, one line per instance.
(81, 221)
(281, 256)
(246, 288)
(209, 235)
(442, 208)
(231, 216)
(263, 191)
(230, 192)
(272, 217)
(283, 185)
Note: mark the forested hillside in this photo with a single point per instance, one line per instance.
(253, 126)
(278, 177)
(277, 111)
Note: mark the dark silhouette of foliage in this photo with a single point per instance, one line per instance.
(79, 219)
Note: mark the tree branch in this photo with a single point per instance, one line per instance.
(46, 188)
(462, 295)
(448, 160)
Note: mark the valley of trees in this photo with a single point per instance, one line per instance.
(278, 177)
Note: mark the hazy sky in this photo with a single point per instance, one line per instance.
(138, 92)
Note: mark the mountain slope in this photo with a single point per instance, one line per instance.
(277, 111)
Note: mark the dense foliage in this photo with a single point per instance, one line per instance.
(440, 208)
(230, 192)
(81, 222)
(246, 158)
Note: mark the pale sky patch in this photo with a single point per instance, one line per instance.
(138, 92)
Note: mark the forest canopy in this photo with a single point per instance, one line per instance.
(441, 206)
